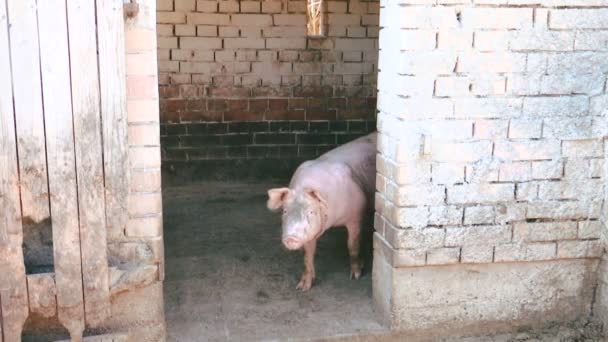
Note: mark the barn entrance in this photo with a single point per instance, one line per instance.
(248, 90)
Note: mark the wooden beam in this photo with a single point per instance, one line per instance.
(13, 286)
(89, 161)
(113, 87)
(55, 72)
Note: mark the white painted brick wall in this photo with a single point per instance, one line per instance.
(491, 125)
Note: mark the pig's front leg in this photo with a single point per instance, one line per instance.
(309, 266)
(354, 245)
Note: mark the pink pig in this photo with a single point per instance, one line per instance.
(336, 189)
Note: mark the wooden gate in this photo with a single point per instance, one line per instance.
(63, 152)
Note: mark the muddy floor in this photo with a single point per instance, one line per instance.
(229, 279)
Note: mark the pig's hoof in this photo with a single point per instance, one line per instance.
(305, 284)
(355, 274)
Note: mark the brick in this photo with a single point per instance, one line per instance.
(443, 256)
(228, 31)
(525, 129)
(579, 18)
(490, 129)
(487, 107)
(170, 18)
(409, 257)
(244, 43)
(208, 19)
(206, 6)
(479, 215)
(577, 63)
(271, 6)
(416, 40)
(144, 135)
(477, 235)
(411, 217)
(590, 84)
(509, 213)
(284, 31)
(185, 5)
(167, 42)
(563, 210)
(572, 128)
(596, 167)
(582, 148)
(491, 62)
(496, 18)
(411, 195)
(415, 238)
(206, 31)
(144, 227)
(529, 150)
(580, 249)
(452, 86)
(518, 252)
(225, 55)
(354, 44)
(286, 43)
(477, 254)
(437, 61)
(370, 20)
(250, 7)
(534, 40)
(191, 55)
(544, 231)
(527, 191)
(336, 6)
(589, 229)
(140, 205)
(164, 30)
(185, 30)
(572, 189)
(145, 110)
(460, 152)
(344, 19)
(296, 6)
(197, 43)
(164, 5)
(445, 173)
(289, 19)
(591, 40)
(444, 215)
(356, 32)
(229, 6)
(141, 87)
(490, 41)
(457, 40)
(476, 193)
(251, 32)
(524, 84)
(552, 169)
(424, 17)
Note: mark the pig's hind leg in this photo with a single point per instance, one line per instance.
(354, 246)
(309, 266)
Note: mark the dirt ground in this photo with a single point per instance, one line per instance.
(229, 279)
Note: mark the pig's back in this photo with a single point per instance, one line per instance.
(359, 156)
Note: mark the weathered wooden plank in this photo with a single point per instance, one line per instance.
(42, 293)
(55, 71)
(113, 79)
(13, 287)
(27, 94)
(89, 165)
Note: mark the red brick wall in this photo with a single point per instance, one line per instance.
(226, 61)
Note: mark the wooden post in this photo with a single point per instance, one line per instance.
(13, 286)
(113, 86)
(89, 165)
(55, 71)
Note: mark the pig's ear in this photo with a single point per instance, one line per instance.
(276, 197)
(316, 195)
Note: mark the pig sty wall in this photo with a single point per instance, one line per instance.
(240, 80)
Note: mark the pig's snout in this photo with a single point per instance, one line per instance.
(292, 243)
